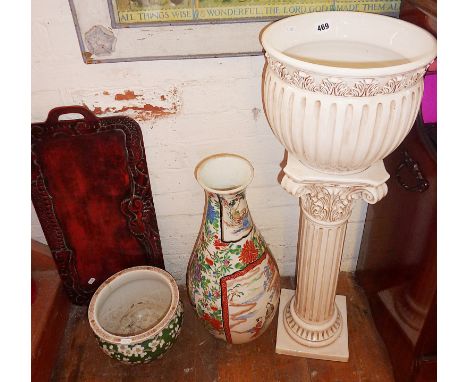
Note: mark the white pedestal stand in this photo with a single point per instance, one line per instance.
(313, 321)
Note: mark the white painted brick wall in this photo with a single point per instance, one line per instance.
(221, 111)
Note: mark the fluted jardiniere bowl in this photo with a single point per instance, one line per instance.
(342, 89)
(136, 314)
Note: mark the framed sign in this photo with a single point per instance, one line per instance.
(129, 30)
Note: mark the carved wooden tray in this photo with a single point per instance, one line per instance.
(92, 194)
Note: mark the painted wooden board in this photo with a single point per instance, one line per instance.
(91, 191)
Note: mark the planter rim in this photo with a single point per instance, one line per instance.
(153, 331)
(345, 72)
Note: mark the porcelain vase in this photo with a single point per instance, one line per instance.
(232, 278)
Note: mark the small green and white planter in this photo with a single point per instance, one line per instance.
(136, 314)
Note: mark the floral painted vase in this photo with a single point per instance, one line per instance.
(232, 278)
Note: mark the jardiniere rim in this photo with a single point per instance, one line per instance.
(153, 331)
(420, 35)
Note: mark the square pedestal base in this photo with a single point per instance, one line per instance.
(337, 351)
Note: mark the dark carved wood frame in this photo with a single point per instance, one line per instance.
(138, 207)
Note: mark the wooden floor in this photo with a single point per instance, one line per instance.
(197, 356)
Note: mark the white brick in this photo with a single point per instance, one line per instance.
(353, 240)
(348, 265)
(43, 101)
(172, 180)
(41, 47)
(217, 96)
(180, 203)
(270, 197)
(201, 127)
(176, 266)
(287, 269)
(359, 212)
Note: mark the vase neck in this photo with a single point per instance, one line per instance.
(232, 213)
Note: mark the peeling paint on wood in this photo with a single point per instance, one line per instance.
(127, 95)
(145, 113)
(141, 105)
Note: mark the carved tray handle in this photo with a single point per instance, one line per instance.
(54, 114)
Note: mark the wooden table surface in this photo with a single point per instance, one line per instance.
(197, 356)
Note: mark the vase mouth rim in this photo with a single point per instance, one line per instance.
(301, 24)
(213, 174)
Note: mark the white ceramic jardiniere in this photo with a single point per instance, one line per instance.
(232, 278)
(136, 314)
(342, 89)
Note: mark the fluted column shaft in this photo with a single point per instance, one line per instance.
(311, 317)
(319, 256)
